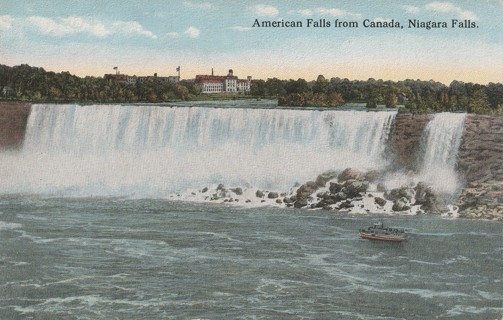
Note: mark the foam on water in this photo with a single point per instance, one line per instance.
(9, 225)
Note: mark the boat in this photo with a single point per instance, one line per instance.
(379, 232)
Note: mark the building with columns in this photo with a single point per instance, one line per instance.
(218, 84)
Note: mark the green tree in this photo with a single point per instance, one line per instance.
(181, 92)
(258, 88)
(478, 102)
(321, 85)
(390, 100)
(152, 97)
(275, 87)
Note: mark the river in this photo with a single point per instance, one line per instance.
(112, 258)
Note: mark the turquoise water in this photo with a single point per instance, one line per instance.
(110, 258)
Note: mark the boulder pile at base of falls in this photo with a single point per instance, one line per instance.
(352, 191)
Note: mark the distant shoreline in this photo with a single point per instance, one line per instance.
(32, 84)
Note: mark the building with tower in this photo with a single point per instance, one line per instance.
(218, 84)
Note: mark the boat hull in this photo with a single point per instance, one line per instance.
(381, 237)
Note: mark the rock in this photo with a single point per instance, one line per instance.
(422, 189)
(400, 204)
(304, 192)
(350, 174)
(405, 142)
(327, 202)
(323, 178)
(353, 187)
(322, 195)
(380, 201)
(381, 187)
(427, 199)
(403, 192)
(288, 200)
(237, 191)
(307, 188)
(272, 195)
(205, 189)
(335, 187)
(300, 203)
(221, 187)
(346, 205)
(339, 196)
(479, 157)
(278, 201)
(259, 194)
(372, 175)
(13, 123)
(482, 200)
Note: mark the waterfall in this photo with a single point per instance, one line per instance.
(442, 137)
(149, 151)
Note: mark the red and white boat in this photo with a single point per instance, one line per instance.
(379, 232)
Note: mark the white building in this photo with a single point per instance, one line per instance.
(219, 84)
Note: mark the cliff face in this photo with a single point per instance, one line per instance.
(481, 151)
(13, 120)
(481, 163)
(406, 138)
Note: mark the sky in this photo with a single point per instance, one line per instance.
(156, 36)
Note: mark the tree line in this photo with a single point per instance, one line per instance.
(413, 95)
(34, 84)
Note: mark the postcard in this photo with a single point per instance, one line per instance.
(251, 159)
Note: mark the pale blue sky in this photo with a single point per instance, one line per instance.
(90, 37)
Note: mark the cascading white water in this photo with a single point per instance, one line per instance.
(442, 137)
(148, 151)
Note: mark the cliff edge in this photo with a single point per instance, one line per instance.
(13, 120)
